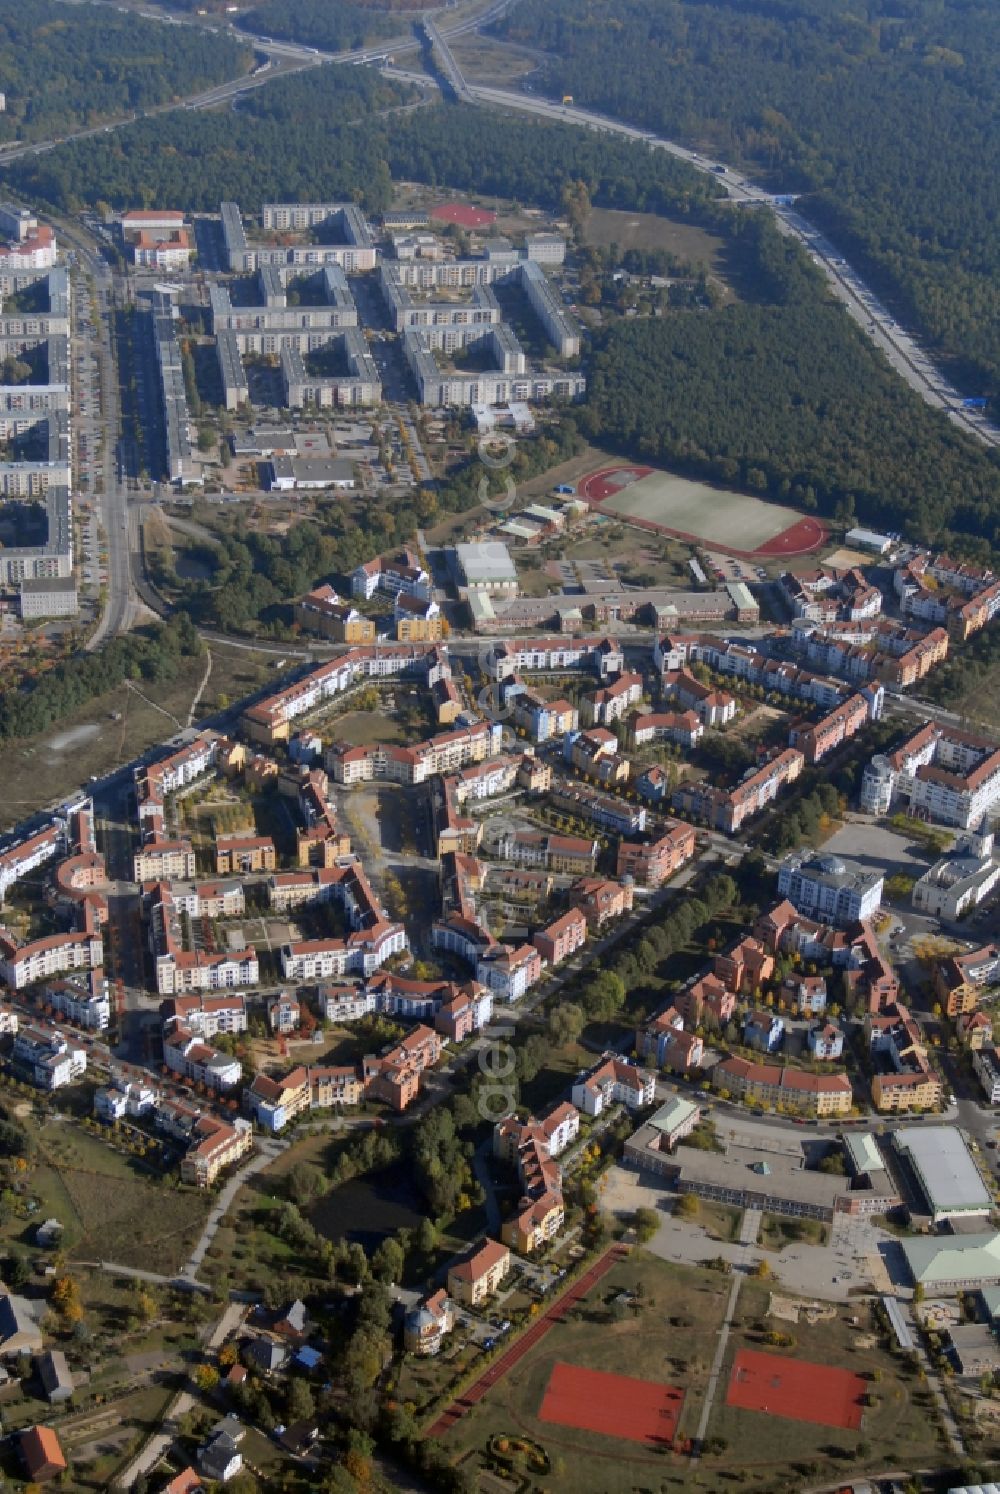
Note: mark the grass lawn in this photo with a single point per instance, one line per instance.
(110, 1207)
(561, 1068)
(776, 1232)
(670, 1340)
(719, 1221)
(359, 727)
(237, 671)
(35, 771)
(900, 1428)
(607, 226)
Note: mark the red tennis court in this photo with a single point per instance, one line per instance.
(796, 1389)
(464, 214)
(614, 1405)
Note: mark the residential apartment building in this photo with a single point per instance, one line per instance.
(164, 861)
(180, 970)
(244, 853)
(713, 706)
(793, 1089)
(395, 574)
(428, 1323)
(87, 1003)
(48, 1058)
(418, 621)
(986, 1065)
(480, 1274)
(612, 702)
(653, 863)
(607, 812)
(507, 972)
(686, 728)
(904, 1079)
(562, 938)
(270, 720)
(23, 964)
(187, 1055)
(555, 853)
(825, 886)
(544, 719)
(842, 723)
(941, 774)
(613, 1081)
(322, 611)
(744, 967)
(729, 810)
(24, 856)
(961, 981)
(215, 1145)
(208, 1016)
(600, 900)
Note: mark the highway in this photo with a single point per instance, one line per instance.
(899, 346)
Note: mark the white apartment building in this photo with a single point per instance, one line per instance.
(23, 857)
(23, 965)
(208, 1015)
(75, 1001)
(188, 1056)
(613, 1081)
(824, 887)
(48, 1057)
(961, 880)
(941, 773)
(343, 1004)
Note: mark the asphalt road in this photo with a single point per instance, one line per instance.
(900, 347)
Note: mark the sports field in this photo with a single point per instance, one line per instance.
(464, 214)
(793, 1388)
(696, 511)
(615, 1405)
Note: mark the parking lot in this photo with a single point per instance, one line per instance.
(877, 848)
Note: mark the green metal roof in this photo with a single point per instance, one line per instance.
(673, 1114)
(943, 1260)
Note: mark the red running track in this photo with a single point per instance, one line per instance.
(614, 1405)
(801, 539)
(607, 480)
(796, 1389)
(502, 1366)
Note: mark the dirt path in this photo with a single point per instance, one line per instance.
(201, 687)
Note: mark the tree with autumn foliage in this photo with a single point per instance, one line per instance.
(66, 1301)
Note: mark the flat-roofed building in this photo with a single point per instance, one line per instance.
(774, 1179)
(945, 1171)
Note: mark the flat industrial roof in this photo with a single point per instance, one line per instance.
(488, 561)
(945, 1168)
